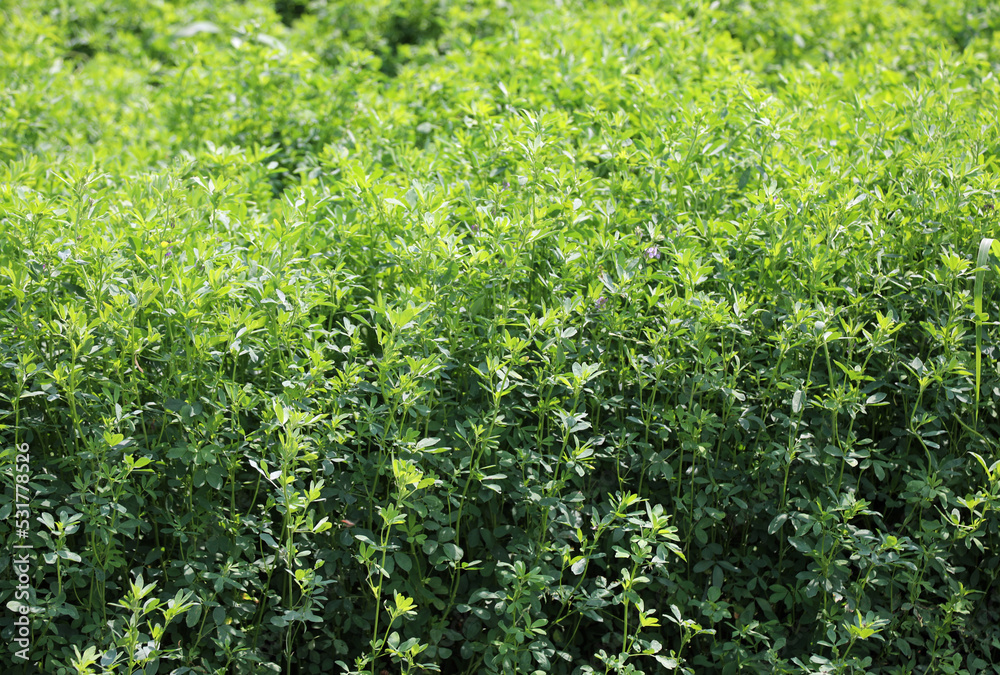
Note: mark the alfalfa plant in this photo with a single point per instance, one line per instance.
(982, 259)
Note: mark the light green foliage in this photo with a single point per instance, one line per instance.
(502, 337)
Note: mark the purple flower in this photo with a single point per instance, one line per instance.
(600, 303)
(652, 253)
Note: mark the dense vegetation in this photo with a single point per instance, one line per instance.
(501, 337)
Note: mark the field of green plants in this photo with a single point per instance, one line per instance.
(499, 336)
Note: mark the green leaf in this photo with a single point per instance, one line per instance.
(400, 319)
(452, 551)
(798, 401)
(215, 476)
(403, 561)
(427, 443)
